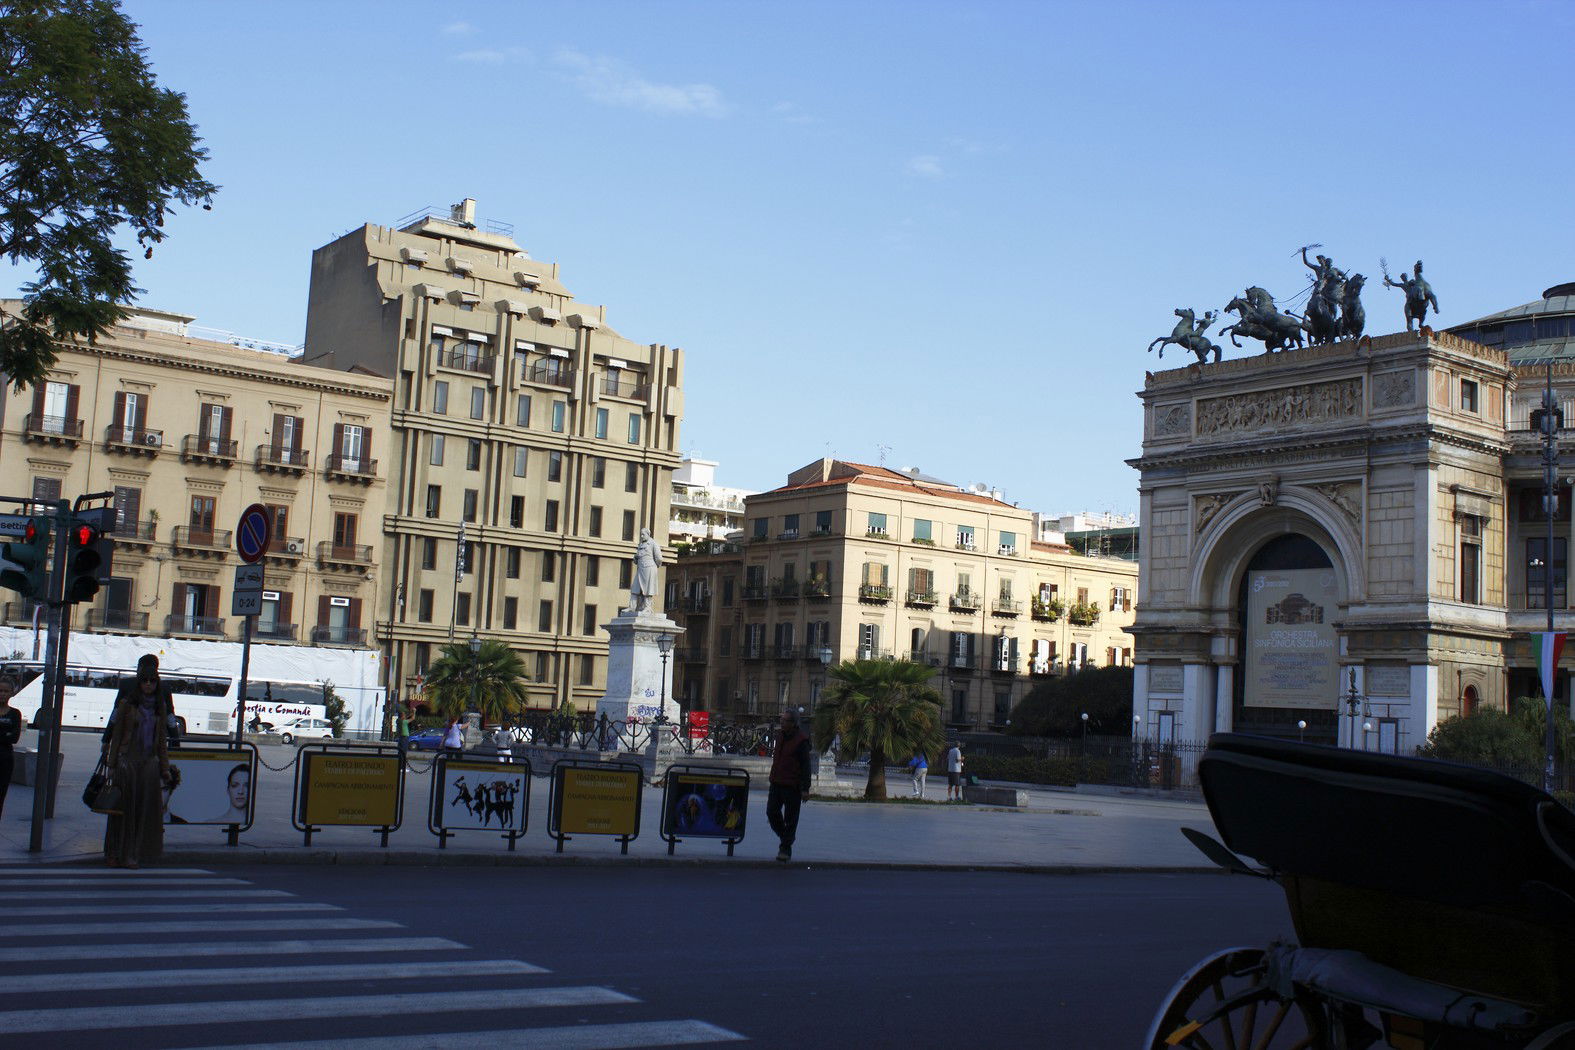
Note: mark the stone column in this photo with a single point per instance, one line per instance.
(637, 677)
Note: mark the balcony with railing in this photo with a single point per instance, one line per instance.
(345, 557)
(19, 613)
(139, 534)
(696, 604)
(200, 626)
(694, 654)
(921, 599)
(330, 634)
(625, 386)
(1004, 665)
(136, 441)
(128, 620)
(1047, 611)
(1046, 668)
(359, 469)
(699, 499)
(52, 430)
(273, 632)
(924, 656)
(753, 652)
(961, 662)
(550, 372)
(1006, 607)
(874, 592)
(286, 548)
(874, 654)
(784, 652)
(756, 592)
(965, 544)
(817, 588)
(205, 543)
(785, 590)
(964, 601)
(468, 360)
(283, 460)
(203, 448)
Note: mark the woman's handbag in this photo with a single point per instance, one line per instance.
(100, 795)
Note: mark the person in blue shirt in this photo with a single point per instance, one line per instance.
(919, 766)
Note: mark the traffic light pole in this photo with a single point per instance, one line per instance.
(49, 709)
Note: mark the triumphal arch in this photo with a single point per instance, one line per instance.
(1321, 518)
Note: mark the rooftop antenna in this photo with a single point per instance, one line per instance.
(884, 451)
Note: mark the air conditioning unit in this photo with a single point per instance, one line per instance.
(153, 440)
(295, 546)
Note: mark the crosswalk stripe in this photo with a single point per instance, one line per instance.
(154, 1015)
(575, 1037)
(55, 982)
(151, 881)
(102, 929)
(97, 873)
(197, 949)
(135, 893)
(121, 908)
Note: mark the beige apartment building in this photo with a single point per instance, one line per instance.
(848, 561)
(530, 443)
(186, 433)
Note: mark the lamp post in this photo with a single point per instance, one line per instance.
(1549, 421)
(1084, 747)
(475, 669)
(824, 655)
(1356, 704)
(664, 646)
(1301, 730)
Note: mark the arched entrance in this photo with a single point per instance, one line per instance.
(1289, 655)
(1469, 701)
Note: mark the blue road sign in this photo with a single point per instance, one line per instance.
(251, 534)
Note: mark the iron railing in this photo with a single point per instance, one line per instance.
(548, 373)
(274, 632)
(287, 458)
(621, 387)
(354, 466)
(117, 620)
(468, 361)
(135, 437)
(200, 538)
(344, 553)
(208, 446)
(135, 531)
(327, 634)
(52, 426)
(209, 626)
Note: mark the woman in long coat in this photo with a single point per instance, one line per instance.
(139, 763)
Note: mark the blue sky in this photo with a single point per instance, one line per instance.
(942, 234)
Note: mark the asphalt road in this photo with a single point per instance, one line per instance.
(615, 956)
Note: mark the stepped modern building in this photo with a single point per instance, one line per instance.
(1352, 537)
(848, 561)
(529, 443)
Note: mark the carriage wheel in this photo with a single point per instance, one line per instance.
(1225, 1003)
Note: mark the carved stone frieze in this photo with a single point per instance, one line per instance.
(1394, 389)
(1172, 420)
(1303, 404)
(1346, 495)
(1210, 505)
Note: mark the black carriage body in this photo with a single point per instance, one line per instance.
(1448, 873)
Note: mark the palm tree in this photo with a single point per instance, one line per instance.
(492, 679)
(885, 707)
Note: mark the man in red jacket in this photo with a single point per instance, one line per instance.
(789, 783)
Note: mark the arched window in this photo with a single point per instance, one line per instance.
(1469, 701)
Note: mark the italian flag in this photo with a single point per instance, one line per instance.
(1547, 647)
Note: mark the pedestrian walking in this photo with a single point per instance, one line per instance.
(10, 733)
(954, 772)
(139, 765)
(789, 783)
(402, 733)
(920, 768)
(504, 739)
(454, 736)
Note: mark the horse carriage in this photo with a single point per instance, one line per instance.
(1433, 904)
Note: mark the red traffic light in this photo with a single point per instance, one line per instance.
(83, 535)
(30, 533)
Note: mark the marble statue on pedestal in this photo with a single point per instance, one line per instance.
(647, 559)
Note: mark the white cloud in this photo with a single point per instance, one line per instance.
(491, 56)
(925, 166)
(612, 83)
(458, 29)
(790, 112)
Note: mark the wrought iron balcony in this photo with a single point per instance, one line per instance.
(871, 592)
(756, 592)
(286, 548)
(1006, 607)
(965, 601)
(117, 620)
(340, 467)
(694, 654)
(753, 652)
(468, 361)
(20, 612)
(206, 626)
(619, 386)
(785, 652)
(202, 448)
(1004, 665)
(135, 533)
(138, 441)
(817, 589)
(55, 430)
(785, 590)
(548, 373)
(924, 656)
(333, 555)
(326, 634)
(205, 542)
(1049, 612)
(274, 632)
(922, 598)
(283, 460)
(961, 662)
(697, 603)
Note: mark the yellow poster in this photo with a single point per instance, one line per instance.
(599, 801)
(358, 790)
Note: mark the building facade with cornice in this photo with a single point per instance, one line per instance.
(186, 433)
(848, 561)
(529, 444)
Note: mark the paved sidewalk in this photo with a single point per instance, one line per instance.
(1057, 831)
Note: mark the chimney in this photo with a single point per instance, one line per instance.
(464, 213)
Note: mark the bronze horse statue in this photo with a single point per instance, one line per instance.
(1189, 336)
(1352, 317)
(1259, 319)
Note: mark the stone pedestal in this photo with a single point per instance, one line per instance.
(637, 679)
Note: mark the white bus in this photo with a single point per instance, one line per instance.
(204, 703)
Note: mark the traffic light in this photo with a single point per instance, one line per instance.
(24, 565)
(88, 555)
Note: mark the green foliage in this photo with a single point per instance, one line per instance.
(1083, 614)
(1055, 706)
(491, 680)
(885, 707)
(89, 143)
(1512, 741)
(1026, 769)
(337, 713)
(1049, 610)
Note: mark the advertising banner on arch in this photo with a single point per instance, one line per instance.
(1292, 652)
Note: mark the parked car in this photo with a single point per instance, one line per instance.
(306, 729)
(426, 740)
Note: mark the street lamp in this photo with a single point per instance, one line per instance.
(1358, 707)
(664, 646)
(1085, 732)
(824, 655)
(1301, 730)
(475, 670)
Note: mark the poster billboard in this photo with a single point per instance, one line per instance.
(215, 786)
(595, 801)
(481, 796)
(343, 789)
(702, 806)
(1292, 651)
